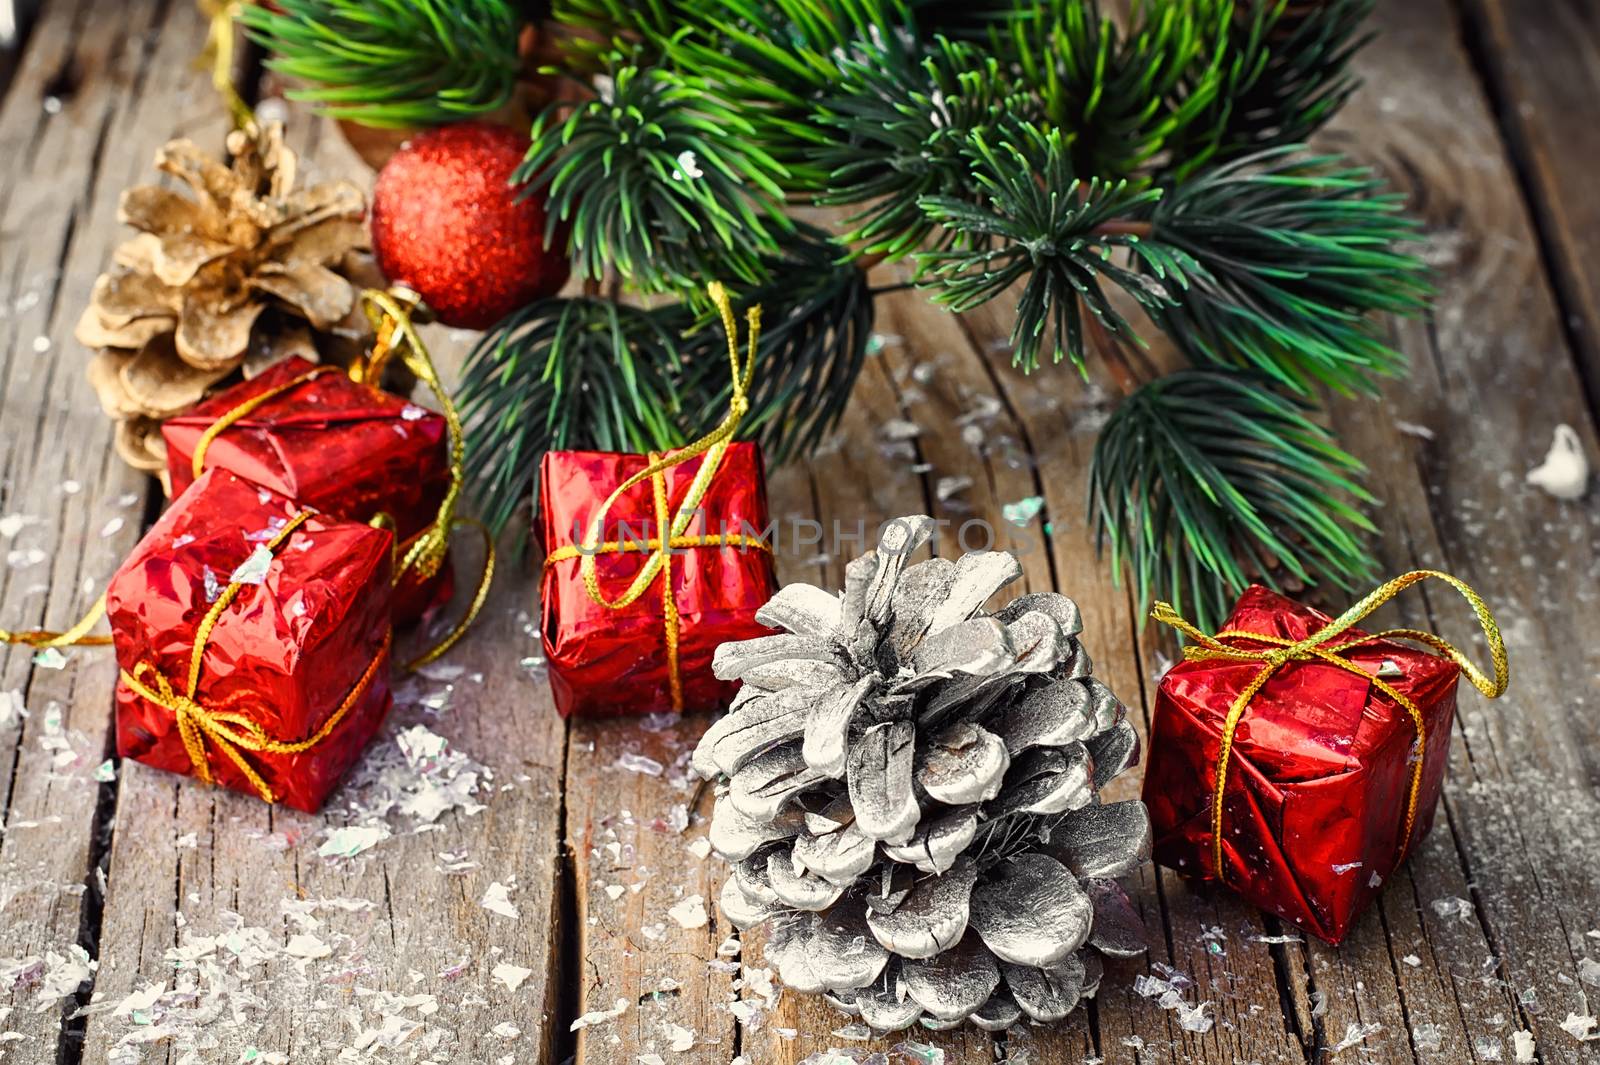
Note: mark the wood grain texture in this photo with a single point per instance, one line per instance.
(105, 73)
(1542, 66)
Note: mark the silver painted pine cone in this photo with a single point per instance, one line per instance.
(909, 794)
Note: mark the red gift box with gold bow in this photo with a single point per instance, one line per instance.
(653, 652)
(1298, 759)
(314, 435)
(252, 636)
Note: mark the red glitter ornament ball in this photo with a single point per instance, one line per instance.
(447, 223)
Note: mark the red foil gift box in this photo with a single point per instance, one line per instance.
(607, 662)
(1317, 805)
(290, 610)
(330, 443)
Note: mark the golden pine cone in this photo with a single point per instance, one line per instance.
(234, 270)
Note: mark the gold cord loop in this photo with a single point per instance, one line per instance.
(1318, 646)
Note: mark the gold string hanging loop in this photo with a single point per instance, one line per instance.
(391, 315)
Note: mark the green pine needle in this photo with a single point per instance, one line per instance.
(393, 63)
(1041, 227)
(1285, 72)
(900, 121)
(1206, 480)
(1291, 258)
(658, 181)
(563, 374)
(1122, 92)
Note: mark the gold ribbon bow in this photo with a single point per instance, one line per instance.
(421, 556)
(228, 731)
(1320, 646)
(674, 522)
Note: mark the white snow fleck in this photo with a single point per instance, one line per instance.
(1564, 473)
(640, 763)
(498, 900)
(594, 1017)
(253, 570)
(1355, 1034)
(512, 976)
(1581, 1026)
(690, 913)
(351, 840)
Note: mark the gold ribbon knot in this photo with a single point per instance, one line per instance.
(672, 523)
(1321, 646)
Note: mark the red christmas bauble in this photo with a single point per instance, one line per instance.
(447, 223)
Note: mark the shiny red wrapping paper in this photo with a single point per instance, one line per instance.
(332, 444)
(297, 643)
(607, 663)
(1315, 799)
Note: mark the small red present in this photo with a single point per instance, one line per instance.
(1298, 759)
(653, 652)
(253, 639)
(328, 442)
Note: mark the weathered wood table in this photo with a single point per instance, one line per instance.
(540, 872)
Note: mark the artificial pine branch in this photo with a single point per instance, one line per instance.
(1291, 257)
(1040, 149)
(1121, 92)
(393, 63)
(559, 374)
(901, 126)
(654, 179)
(1286, 72)
(1041, 227)
(1205, 480)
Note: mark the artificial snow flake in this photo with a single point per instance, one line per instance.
(1453, 906)
(498, 900)
(680, 1039)
(351, 840)
(640, 763)
(1355, 1033)
(1023, 511)
(1564, 473)
(49, 658)
(690, 913)
(1427, 1036)
(512, 976)
(254, 569)
(307, 946)
(12, 708)
(594, 1017)
(1581, 1026)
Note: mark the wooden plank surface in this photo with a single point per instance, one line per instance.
(1542, 64)
(602, 857)
(88, 76)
